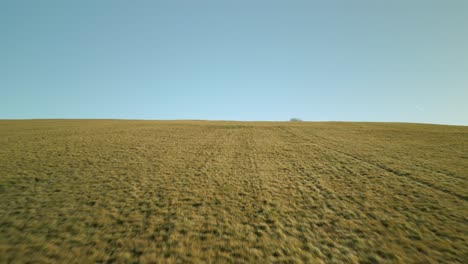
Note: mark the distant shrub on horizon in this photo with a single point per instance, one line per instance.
(295, 120)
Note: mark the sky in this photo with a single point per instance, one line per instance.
(338, 60)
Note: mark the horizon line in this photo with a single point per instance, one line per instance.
(230, 120)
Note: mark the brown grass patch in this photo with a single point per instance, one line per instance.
(167, 191)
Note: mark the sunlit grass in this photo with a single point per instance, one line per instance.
(167, 191)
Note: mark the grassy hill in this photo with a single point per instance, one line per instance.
(200, 191)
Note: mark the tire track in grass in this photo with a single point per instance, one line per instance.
(423, 169)
(318, 217)
(383, 208)
(382, 167)
(327, 220)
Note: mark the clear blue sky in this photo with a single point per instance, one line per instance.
(371, 60)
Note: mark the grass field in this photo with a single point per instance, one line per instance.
(77, 191)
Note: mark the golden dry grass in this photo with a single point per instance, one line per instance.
(75, 191)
